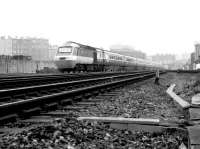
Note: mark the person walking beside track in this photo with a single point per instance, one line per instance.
(157, 77)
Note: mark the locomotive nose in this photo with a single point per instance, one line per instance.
(65, 64)
(62, 58)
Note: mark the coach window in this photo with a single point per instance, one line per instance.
(86, 53)
(75, 51)
(81, 52)
(90, 54)
(98, 55)
(78, 50)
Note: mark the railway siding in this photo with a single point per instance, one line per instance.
(192, 107)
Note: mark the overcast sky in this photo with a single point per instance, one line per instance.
(153, 26)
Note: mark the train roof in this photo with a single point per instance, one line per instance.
(78, 44)
(75, 44)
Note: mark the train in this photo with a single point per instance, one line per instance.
(78, 57)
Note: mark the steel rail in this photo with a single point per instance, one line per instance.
(9, 94)
(23, 108)
(22, 81)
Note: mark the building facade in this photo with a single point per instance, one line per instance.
(164, 58)
(192, 61)
(5, 46)
(52, 51)
(197, 53)
(129, 51)
(36, 48)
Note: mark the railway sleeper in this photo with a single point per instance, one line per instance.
(56, 114)
(74, 107)
(69, 87)
(108, 89)
(95, 100)
(44, 92)
(87, 95)
(102, 91)
(63, 88)
(108, 94)
(20, 96)
(95, 93)
(33, 94)
(51, 106)
(7, 98)
(54, 90)
(8, 118)
(29, 112)
(38, 119)
(66, 101)
(86, 103)
(80, 86)
(78, 98)
(87, 84)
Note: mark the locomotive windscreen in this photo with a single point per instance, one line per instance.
(65, 50)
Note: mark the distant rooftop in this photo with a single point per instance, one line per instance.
(16, 37)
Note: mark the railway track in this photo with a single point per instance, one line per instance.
(30, 80)
(28, 101)
(187, 71)
(61, 121)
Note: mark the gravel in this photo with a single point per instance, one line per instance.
(141, 100)
(68, 133)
